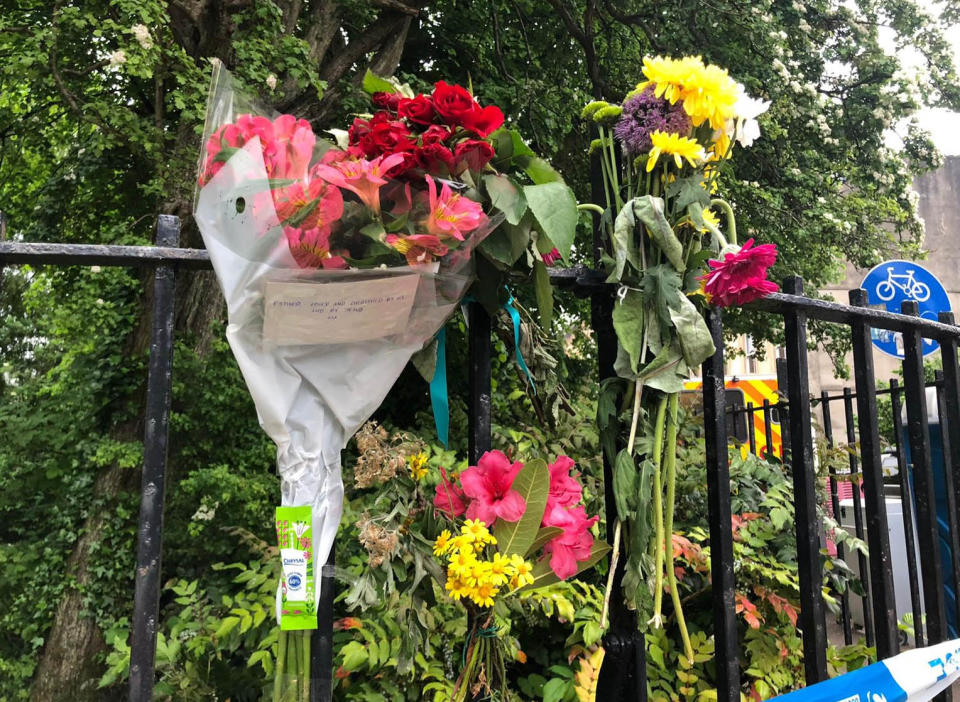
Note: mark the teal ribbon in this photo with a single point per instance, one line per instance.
(439, 396)
(515, 316)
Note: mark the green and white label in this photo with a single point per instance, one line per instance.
(297, 579)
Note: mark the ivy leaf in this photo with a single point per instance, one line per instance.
(555, 209)
(533, 484)
(506, 197)
(628, 322)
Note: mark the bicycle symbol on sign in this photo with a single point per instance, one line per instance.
(912, 288)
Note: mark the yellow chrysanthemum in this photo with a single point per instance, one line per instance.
(710, 218)
(707, 91)
(461, 562)
(442, 544)
(501, 569)
(483, 595)
(522, 572)
(457, 588)
(674, 145)
(418, 465)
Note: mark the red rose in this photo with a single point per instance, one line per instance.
(387, 101)
(452, 102)
(418, 110)
(435, 134)
(386, 136)
(437, 159)
(358, 130)
(483, 120)
(472, 155)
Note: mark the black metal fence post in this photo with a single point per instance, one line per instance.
(478, 340)
(950, 417)
(321, 649)
(835, 508)
(720, 517)
(855, 477)
(812, 616)
(881, 573)
(948, 485)
(146, 600)
(906, 503)
(919, 437)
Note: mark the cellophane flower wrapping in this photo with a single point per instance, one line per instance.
(334, 275)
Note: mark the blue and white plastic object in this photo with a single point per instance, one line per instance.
(912, 676)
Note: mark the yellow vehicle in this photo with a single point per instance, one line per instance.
(742, 391)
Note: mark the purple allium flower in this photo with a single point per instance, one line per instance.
(644, 114)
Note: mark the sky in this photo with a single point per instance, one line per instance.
(943, 125)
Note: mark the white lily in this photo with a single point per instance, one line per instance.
(747, 110)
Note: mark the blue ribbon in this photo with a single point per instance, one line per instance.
(515, 316)
(439, 395)
(438, 390)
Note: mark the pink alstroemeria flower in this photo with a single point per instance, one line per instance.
(451, 214)
(293, 142)
(318, 204)
(489, 484)
(418, 248)
(565, 491)
(740, 277)
(311, 247)
(449, 497)
(360, 176)
(574, 544)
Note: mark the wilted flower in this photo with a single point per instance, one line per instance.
(741, 276)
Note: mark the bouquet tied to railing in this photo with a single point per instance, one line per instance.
(662, 152)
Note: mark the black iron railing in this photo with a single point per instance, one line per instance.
(624, 674)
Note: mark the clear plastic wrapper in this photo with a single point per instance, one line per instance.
(334, 272)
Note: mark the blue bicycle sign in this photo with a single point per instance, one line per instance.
(894, 282)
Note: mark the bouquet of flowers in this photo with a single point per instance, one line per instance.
(338, 262)
(525, 527)
(661, 152)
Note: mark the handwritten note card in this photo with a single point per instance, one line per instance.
(336, 313)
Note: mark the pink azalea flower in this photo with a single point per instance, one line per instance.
(360, 176)
(740, 277)
(565, 491)
(449, 497)
(574, 544)
(490, 485)
(451, 214)
(418, 248)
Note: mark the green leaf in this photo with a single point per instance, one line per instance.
(623, 241)
(543, 536)
(506, 197)
(372, 83)
(554, 690)
(624, 485)
(695, 339)
(661, 288)
(354, 655)
(649, 210)
(544, 293)
(540, 171)
(555, 209)
(543, 575)
(506, 243)
(226, 626)
(591, 633)
(686, 191)
(628, 322)
(533, 484)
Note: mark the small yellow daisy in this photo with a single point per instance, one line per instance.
(418, 465)
(442, 544)
(483, 595)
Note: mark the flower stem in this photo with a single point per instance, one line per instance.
(606, 176)
(614, 557)
(590, 206)
(658, 512)
(281, 665)
(305, 672)
(731, 219)
(670, 460)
